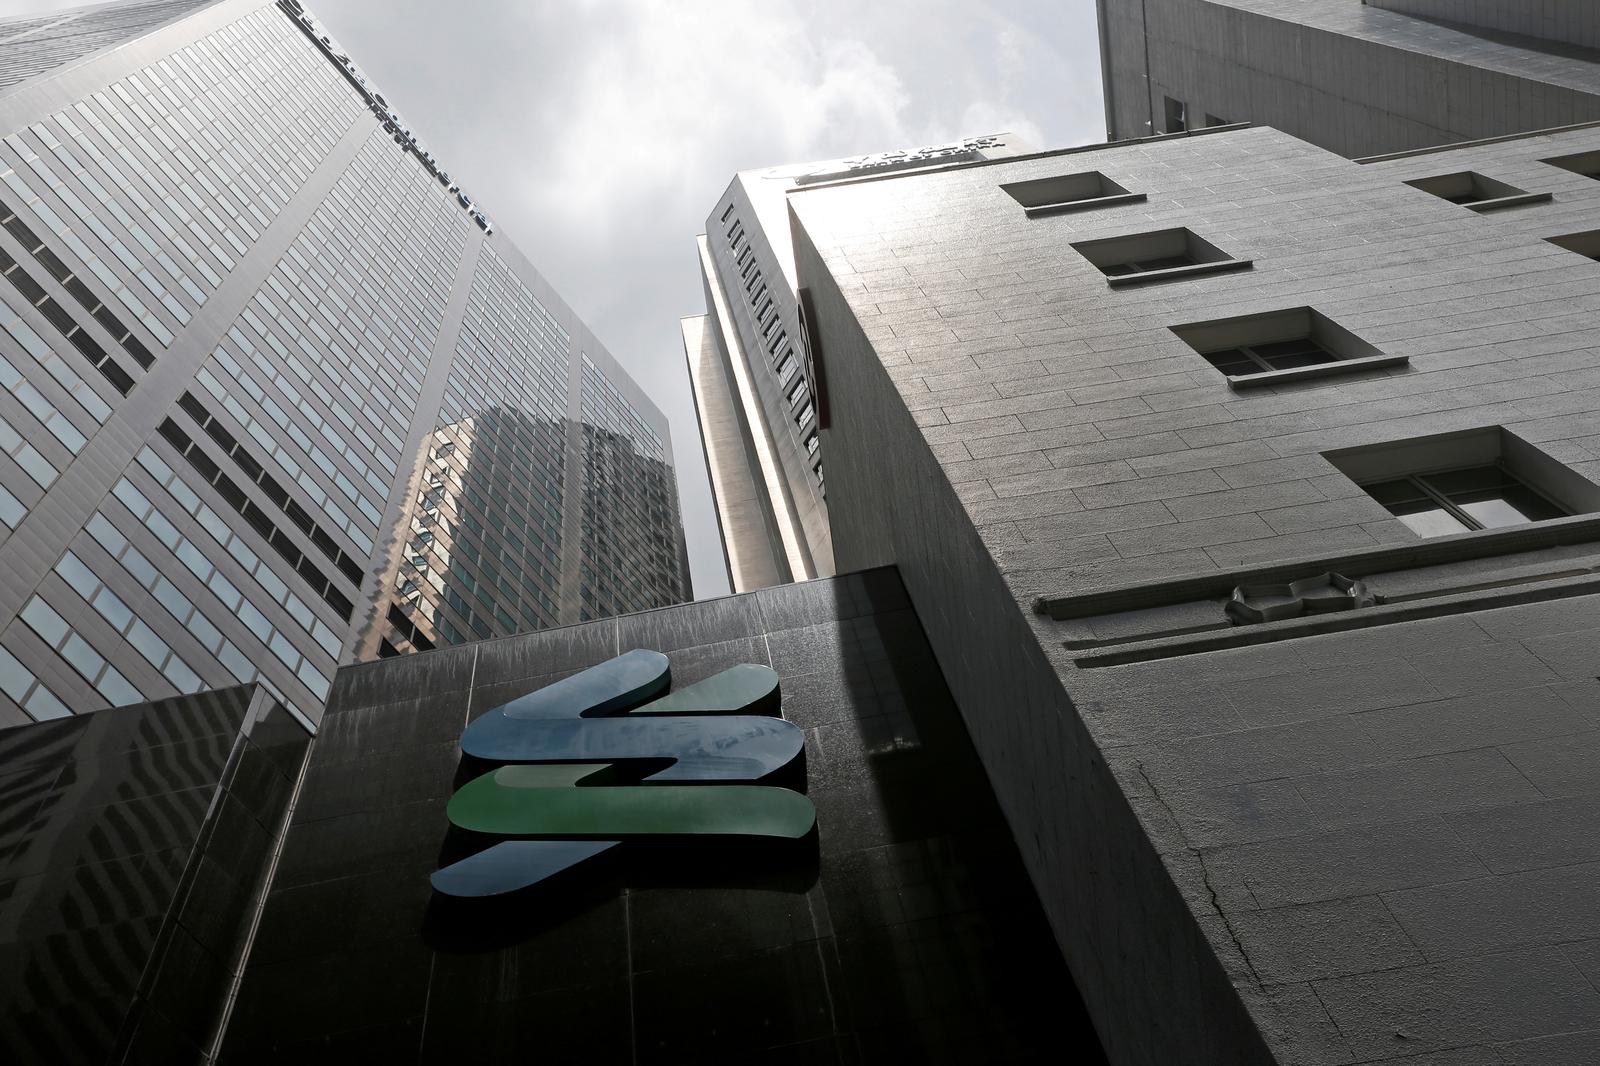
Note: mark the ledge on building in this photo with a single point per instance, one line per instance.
(1460, 547)
(1041, 210)
(1510, 201)
(1149, 277)
(1320, 370)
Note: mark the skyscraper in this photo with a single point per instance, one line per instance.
(758, 401)
(278, 394)
(1358, 77)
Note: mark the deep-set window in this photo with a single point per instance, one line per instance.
(1586, 244)
(1275, 355)
(1069, 192)
(1176, 115)
(1281, 346)
(1476, 191)
(1156, 256)
(1585, 163)
(1454, 501)
(1476, 479)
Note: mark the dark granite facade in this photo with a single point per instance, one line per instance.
(906, 932)
(133, 843)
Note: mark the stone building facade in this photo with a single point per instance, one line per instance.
(1123, 386)
(1355, 77)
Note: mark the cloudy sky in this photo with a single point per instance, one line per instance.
(599, 133)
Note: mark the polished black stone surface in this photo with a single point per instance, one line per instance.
(906, 931)
(132, 844)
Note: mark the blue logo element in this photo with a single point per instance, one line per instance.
(566, 746)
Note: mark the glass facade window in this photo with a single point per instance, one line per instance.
(1455, 501)
(232, 328)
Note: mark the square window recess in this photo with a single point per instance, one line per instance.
(1069, 192)
(1585, 163)
(1476, 192)
(1157, 256)
(1176, 114)
(1586, 244)
(1278, 347)
(1477, 479)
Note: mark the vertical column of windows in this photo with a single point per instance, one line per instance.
(324, 367)
(483, 556)
(768, 322)
(630, 560)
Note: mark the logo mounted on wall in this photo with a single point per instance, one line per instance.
(564, 744)
(392, 123)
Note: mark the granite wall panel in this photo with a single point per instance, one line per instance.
(907, 932)
(1278, 838)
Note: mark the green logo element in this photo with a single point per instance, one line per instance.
(584, 770)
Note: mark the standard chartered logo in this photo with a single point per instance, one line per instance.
(583, 770)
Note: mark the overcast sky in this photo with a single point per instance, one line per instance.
(599, 133)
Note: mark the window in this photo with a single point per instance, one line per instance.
(1273, 355)
(1476, 192)
(1281, 346)
(1479, 479)
(1585, 163)
(1454, 501)
(1156, 256)
(1176, 115)
(1069, 192)
(1586, 244)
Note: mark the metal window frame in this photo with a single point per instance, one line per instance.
(1250, 353)
(1420, 481)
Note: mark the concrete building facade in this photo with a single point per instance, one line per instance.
(1248, 495)
(1354, 77)
(277, 395)
(758, 400)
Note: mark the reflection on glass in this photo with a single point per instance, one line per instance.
(1455, 501)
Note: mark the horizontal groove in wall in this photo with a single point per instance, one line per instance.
(1317, 625)
(1460, 547)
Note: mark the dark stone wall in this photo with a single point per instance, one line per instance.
(133, 842)
(907, 932)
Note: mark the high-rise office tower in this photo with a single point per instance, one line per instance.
(757, 399)
(1358, 77)
(277, 395)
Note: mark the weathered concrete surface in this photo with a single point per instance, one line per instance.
(1346, 848)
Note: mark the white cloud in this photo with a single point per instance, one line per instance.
(599, 133)
(671, 100)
